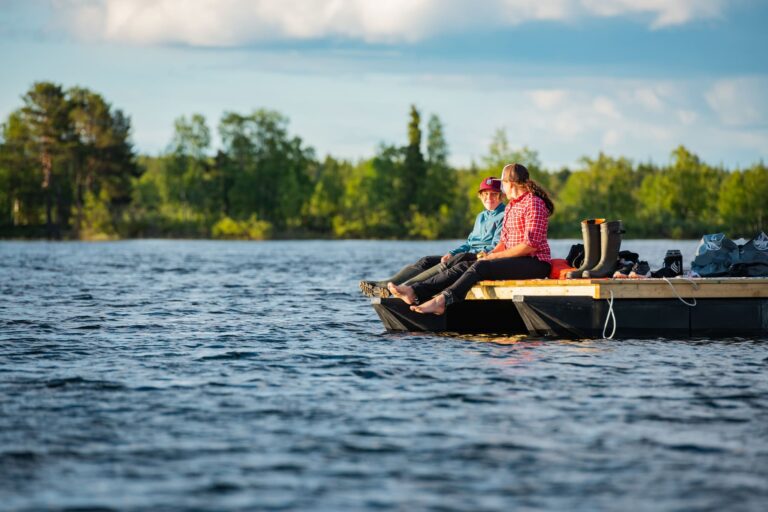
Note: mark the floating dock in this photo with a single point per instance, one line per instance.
(598, 308)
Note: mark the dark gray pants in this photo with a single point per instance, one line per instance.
(455, 282)
(427, 267)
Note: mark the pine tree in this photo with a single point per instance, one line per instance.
(45, 113)
(414, 169)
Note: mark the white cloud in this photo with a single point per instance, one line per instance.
(740, 101)
(547, 99)
(568, 124)
(649, 99)
(515, 12)
(664, 12)
(687, 117)
(237, 22)
(609, 114)
(606, 107)
(234, 22)
(611, 138)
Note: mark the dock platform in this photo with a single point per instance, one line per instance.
(596, 308)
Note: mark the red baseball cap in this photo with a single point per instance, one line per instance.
(490, 183)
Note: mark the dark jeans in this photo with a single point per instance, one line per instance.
(427, 262)
(427, 267)
(455, 282)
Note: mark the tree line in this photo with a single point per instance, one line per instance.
(68, 170)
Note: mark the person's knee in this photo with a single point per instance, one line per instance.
(483, 269)
(459, 268)
(425, 262)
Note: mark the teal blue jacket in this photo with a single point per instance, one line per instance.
(486, 233)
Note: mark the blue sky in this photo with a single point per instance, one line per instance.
(568, 78)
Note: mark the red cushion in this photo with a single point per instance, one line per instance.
(559, 267)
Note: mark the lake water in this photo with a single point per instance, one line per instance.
(200, 375)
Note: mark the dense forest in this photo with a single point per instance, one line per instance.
(68, 170)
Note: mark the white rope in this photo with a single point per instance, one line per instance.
(610, 315)
(695, 287)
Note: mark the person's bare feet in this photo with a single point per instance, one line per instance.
(436, 306)
(403, 292)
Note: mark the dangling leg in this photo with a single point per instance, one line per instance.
(403, 292)
(379, 288)
(424, 290)
(436, 305)
(504, 268)
(440, 267)
(410, 271)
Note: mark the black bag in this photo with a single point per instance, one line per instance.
(752, 258)
(575, 256)
(755, 269)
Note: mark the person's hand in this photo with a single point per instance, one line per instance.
(481, 255)
(445, 257)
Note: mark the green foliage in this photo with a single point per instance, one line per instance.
(603, 188)
(367, 206)
(166, 201)
(325, 203)
(192, 137)
(423, 226)
(62, 149)
(249, 229)
(680, 199)
(67, 169)
(434, 226)
(743, 201)
(410, 177)
(397, 193)
(439, 193)
(22, 194)
(96, 218)
(263, 170)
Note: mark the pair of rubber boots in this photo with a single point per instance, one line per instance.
(602, 240)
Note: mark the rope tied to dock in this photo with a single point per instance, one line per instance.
(611, 315)
(693, 283)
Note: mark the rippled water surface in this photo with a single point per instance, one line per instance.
(178, 375)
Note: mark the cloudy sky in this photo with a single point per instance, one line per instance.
(568, 78)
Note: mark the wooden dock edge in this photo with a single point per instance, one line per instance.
(725, 287)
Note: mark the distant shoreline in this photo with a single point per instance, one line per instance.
(299, 239)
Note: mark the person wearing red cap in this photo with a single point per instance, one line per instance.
(483, 238)
(522, 252)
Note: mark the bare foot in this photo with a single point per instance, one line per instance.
(403, 292)
(435, 306)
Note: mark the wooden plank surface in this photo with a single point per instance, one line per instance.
(727, 287)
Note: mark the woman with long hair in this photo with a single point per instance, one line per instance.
(522, 252)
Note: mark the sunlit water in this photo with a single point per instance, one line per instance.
(186, 375)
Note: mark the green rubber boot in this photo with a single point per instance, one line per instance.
(610, 243)
(590, 232)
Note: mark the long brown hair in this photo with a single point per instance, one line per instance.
(519, 175)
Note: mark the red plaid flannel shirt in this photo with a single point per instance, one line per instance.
(525, 222)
